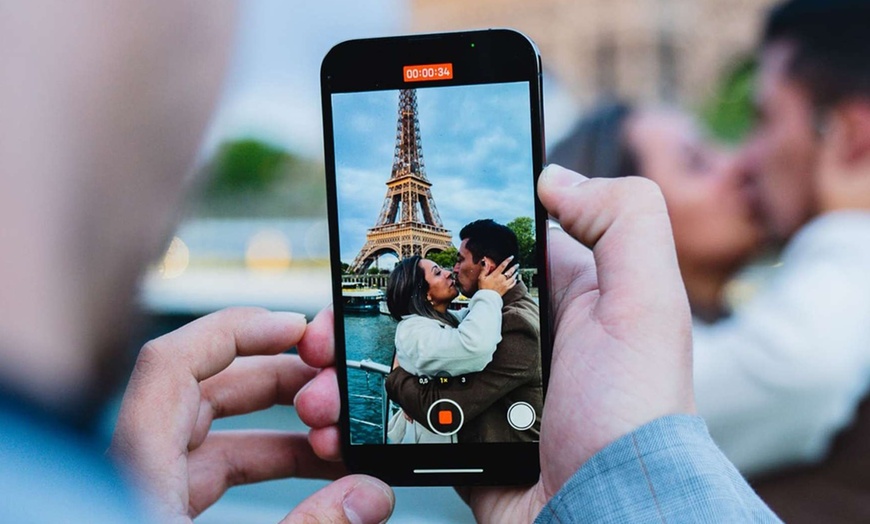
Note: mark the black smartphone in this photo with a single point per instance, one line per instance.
(433, 145)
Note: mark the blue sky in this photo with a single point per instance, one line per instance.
(476, 147)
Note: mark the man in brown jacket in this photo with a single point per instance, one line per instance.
(514, 374)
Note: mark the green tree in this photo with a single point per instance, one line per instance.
(728, 113)
(523, 228)
(446, 258)
(246, 164)
(249, 177)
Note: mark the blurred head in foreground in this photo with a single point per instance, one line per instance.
(810, 151)
(704, 187)
(103, 104)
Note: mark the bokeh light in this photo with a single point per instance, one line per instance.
(268, 250)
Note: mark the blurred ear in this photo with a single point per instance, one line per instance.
(844, 162)
(852, 122)
(488, 265)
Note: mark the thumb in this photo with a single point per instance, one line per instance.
(355, 499)
(625, 223)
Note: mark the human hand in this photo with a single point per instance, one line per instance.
(622, 349)
(622, 352)
(498, 278)
(185, 379)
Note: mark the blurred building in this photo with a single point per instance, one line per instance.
(645, 50)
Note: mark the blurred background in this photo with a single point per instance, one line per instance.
(255, 233)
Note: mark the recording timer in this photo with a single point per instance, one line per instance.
(426, 72)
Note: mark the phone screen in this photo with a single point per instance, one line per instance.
(439, 263)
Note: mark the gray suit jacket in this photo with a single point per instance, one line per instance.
(666, 471)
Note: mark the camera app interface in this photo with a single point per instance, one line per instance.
(439, 283)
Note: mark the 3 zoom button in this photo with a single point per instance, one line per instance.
(445, 417)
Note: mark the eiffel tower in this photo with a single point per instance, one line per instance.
(409, 223)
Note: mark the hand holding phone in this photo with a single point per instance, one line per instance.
(617, 371)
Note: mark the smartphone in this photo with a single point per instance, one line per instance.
(433, 144)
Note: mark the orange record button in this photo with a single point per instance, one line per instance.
(427, 72)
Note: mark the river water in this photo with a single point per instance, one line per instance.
(368, 336)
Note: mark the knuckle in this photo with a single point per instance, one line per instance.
(312, 517)
(241, 312)
(643, 192)
(151, 357)
(635, 185)
(153, 363)
(236, 476)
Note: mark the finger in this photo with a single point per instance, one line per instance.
(317, 347)
(624, 221)
(255, 383)
(250, 384)
(232, 458)
(209, 344)
(572, 269)
(356, 499)
(163, 391)
(318, 404)
(326, 442)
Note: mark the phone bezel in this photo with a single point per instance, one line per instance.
(478, 57)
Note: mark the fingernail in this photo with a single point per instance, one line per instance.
(368, 503)
(557, 176)
(306, 386)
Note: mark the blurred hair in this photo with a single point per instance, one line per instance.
(597, 146)
(487, 238)
(406, 293)
(831, 41)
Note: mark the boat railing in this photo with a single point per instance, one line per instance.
(370, 366)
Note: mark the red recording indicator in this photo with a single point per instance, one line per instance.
(427, 72)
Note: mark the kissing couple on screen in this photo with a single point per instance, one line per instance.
(485, 358)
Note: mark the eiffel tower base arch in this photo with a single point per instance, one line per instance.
(401, 240)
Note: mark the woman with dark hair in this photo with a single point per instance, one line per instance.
(715, 228)
(433, 341)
